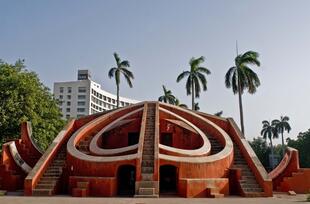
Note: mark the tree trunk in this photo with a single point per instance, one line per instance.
(193, 95)
(283, 147)
(240, 107)
(117, 94)
(272, 156)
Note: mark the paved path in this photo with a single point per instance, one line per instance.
(277, 199)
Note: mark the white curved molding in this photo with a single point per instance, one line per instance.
(18, 159)
(226, 151)
(203, 150)
(73, 151)
(181, 124)
(95, 149)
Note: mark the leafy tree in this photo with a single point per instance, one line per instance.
(121, 68)
(281, 126)
(270, 132)
(302, 144)
(195, 78)
(23, 97)
(241, 77)
(261, 149)
(168, 97)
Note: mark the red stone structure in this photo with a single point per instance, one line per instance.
(288, 176)
(144, 150)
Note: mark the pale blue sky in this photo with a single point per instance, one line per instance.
(159, 37)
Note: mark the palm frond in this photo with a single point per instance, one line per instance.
(183, 75)
(117, 59)
(128, 81)
(125, 63)
(203, 70)
(112, 72)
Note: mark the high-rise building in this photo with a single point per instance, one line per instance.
(84, 97)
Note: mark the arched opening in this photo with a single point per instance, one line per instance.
(168, 179)
(126, 178)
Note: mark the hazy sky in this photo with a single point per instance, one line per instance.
(159, 37)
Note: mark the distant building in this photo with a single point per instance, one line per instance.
(84, 97)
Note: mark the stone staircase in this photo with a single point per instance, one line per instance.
(248, 182)
(147, 187)
(216, 146)
(48, 182)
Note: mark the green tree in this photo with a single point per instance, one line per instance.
(282, 125)
(269, 132)
(241, 77)
(121, 68)
(302, 144)
(195, 78)
(168, 97)
(23, 97)
(261, 149)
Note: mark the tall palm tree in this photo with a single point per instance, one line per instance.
(121, 68)
(241, 77)
(195, 77)
(178, 103)
(270, 132)
(168, 97)
(282, 125)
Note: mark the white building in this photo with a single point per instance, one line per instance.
(84, 97)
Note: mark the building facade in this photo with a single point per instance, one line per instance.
(85, 97)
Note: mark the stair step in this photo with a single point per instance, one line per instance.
(147, 184)
(147, 169)
(146, 191)
(42, 192)
(147, 177)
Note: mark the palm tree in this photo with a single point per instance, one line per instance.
(121, 68)
(178, 103)
(168, 97)
(270, 132)
(241, 77)
(281, 126)
(195, 77)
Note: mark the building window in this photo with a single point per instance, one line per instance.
(82, 89)
(109, 100)
(61, 89)
(104, 98)
(69, 97)
(113, 101)
(81, 96)
(81, 103)
(80, 115)
(68, 110)
(122, 103)
(67, 116)
(81, 110)
(61, 96)
(69, 89)
(68, 103)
